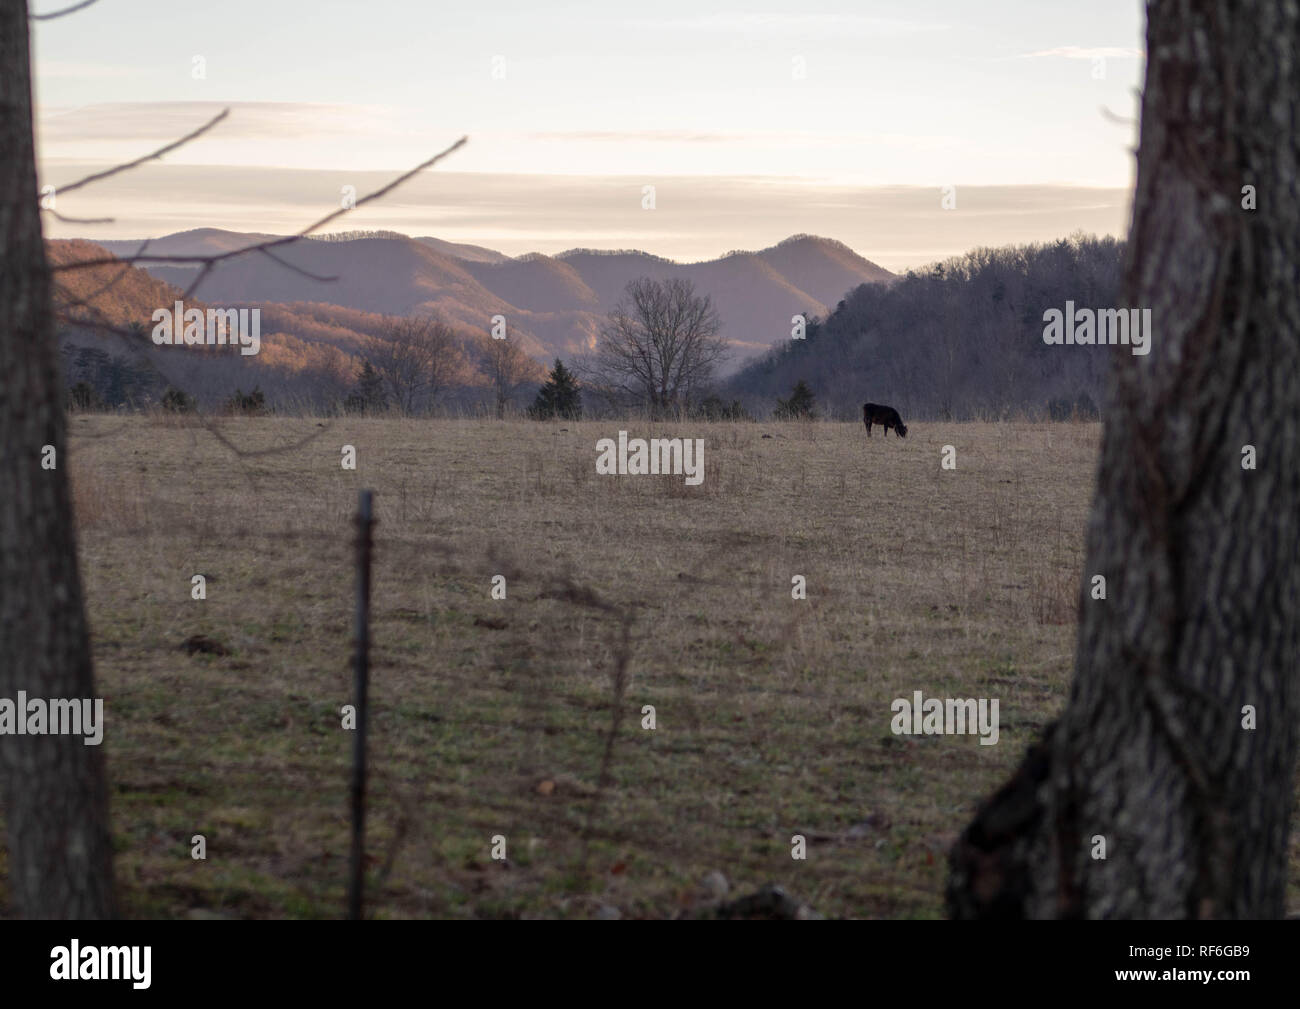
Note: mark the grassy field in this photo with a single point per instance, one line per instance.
(492, 717)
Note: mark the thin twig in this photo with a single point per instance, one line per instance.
(61, 13)
(62, 190)
(86, 301)
(209, 261)
(77, 220)
(212, 259)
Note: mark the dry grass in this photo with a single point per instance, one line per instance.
(492, 717)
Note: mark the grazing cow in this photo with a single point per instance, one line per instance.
(885, 416)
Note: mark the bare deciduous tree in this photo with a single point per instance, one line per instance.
(660, 344)
(506, 367)
(1177, 749)
(417, 357)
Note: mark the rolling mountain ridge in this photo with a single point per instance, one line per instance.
(555, 305)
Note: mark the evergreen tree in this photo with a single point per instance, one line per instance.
(369, 396)
(799, 406)
(560, 396)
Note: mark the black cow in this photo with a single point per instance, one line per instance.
(885, 416)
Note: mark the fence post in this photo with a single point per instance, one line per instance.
(361, 670)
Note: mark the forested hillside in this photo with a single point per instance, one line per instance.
(959, 340)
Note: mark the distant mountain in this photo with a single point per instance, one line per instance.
(372, 274)
(555, 304)
(198, 242)
(823, 267)
(537, 283)
(472, 253)
(309, 353)
(205, 241)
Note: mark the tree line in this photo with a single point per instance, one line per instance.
(958, 340)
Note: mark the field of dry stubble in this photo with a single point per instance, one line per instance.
(491, 717)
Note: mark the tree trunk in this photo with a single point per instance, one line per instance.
(56, 803)
(1201, 555)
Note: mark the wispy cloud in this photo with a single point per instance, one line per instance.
(794, 24)
(1081, 53)
(127, 121)
(699, 217)
(71, 70)
(800, 138)
(637, 136)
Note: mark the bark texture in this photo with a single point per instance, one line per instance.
(55, 800)
(1201, 557)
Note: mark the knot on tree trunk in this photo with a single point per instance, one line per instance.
(989, 865)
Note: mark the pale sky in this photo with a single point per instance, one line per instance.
(753, 121)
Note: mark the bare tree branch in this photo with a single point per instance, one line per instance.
(133, 338)
(68, 304)
(61, 13)
(296, 269)
(214, 258)
(209, 261)
(78, 220)
(148, 157)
